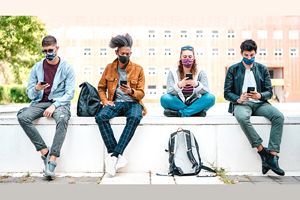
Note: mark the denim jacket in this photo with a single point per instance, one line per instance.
(63, 88)
(235, 78)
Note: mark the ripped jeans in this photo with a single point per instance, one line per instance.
(61, 115)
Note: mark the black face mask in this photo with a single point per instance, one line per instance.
(123, 59)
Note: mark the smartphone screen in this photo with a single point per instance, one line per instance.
(43, 82)
(123, 82)
(190, 75)
(249, 89)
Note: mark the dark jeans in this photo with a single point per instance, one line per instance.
(242, 113)
(61, 115)
(133, 113)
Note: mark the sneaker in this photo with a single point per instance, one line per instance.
(110, 165)
(172, 113)
(121, 162)
(46, 159)
(49, 171)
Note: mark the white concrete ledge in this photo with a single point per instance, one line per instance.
(221, 141)
(159, 120)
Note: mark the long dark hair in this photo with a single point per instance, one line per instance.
(180, 66)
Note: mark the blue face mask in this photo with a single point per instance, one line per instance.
(50, 56)
(248, 61)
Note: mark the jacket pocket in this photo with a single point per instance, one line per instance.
(133, 83)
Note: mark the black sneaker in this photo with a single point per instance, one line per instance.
(172, 113)
(200, 114)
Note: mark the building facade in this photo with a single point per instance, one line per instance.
(157, 41)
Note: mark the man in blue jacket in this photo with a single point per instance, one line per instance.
(244, 103)
(51, 88)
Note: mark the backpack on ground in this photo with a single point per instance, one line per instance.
(89, 103)
(184, 156)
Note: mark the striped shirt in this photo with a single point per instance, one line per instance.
(187, 90)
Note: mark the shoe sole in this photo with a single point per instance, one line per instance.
(121, 167)
(276, 172)
(49, 176)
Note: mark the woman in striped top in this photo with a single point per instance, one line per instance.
(187, 96)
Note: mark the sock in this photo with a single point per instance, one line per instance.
(116, 154)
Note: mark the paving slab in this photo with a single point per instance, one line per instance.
(261, 179)
(197, 180)
(297, 177)
(239, 178)
(266, 183)
(285, 179)
(126, 178)
(157, 180)
(245, 183)
(63, 180)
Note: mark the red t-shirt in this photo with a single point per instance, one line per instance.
(49, 74)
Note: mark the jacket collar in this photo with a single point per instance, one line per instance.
(128, 67)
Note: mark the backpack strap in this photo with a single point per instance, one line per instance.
(189, 152)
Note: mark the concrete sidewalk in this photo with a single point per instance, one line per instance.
(143, 179)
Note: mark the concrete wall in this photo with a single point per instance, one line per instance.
(220, 139)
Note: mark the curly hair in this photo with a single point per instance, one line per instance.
(180, 66)
(121, 41)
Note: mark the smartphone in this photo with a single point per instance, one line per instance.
(190, 75)
(43, 82)
(249, 89)
(123, 82)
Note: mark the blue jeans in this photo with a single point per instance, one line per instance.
(206, 101)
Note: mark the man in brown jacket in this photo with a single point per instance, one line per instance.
(124, 82)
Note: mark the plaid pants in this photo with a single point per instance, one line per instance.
(133, 113)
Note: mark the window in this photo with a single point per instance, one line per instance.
(103, 51)
(71, 51)
(86, 33)
(167, 51)
(246, 34)
(199, 51)
(215, 34)
(103, 34)
(151, 71)
(230, 34)
(71, 34)
(199, 34)
(166, 70)
(293, 34)
(136, 52)
(87, 51)
(87, 70)
(151, 52)
(262, 34)
(231, 52)
(271, 72)
(164, 90)
(278, 52)
(151, 92)
(167, 33)
(262, 52)
(215, 52)
(183, 34)
(293, 52)
(278, 34)
(101, 70)
(151, 34)
(55, 33)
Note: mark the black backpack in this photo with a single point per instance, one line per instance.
(89, 103)
(184, 156)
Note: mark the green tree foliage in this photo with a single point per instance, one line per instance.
(20, 45)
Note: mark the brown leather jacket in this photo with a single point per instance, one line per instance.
(110, 78)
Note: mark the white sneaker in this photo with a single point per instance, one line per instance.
(121, 162)
(110, 165)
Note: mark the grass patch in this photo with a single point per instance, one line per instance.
(222, 173)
